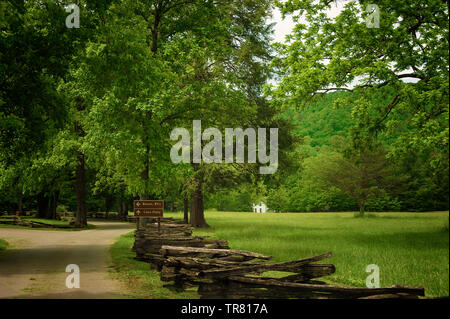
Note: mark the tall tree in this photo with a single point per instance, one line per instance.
(78, 100)
(405, 58)
(174, 62)
(35, 51)
(360, 174)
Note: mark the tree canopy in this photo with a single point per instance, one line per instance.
(86, 113)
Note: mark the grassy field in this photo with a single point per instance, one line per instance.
(409, 248)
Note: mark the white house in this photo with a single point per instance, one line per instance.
(259, 208)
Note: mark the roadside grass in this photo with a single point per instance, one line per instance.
(409, 248)
(47, 221)
(3, 245)
(143, 282)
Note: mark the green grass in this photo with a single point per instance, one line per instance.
(3, 245)
(47, 221)
(143, 282)
(409, 248)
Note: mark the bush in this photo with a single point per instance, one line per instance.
(383, 202)
(278, 199)
(61, 209)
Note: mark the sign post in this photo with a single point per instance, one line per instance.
(159, 225)
(149, 208)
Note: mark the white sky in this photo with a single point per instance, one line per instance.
(284, 27)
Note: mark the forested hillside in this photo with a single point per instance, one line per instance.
(325, 130)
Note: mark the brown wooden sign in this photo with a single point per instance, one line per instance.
(148, 208)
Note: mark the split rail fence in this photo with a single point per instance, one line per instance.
(220, 272)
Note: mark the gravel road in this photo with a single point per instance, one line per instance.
(35, 266)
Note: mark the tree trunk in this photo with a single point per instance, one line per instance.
(124, 214)
(107, 203)
(119, 207)
(197, 213)
(51, 212)
(55, 203)
(186, 209)
(80, 216)
(362, 210)
(19, 205)
(80, 180)
(361, 207)
(42, 205)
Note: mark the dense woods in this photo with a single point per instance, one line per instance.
(86, 113)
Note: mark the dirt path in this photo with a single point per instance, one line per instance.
(35, 266)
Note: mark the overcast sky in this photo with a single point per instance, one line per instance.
(284, 27)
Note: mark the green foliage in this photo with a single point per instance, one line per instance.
(61, 209)
(367, 69)
(234, 200)
(383, 202)
(111, 91)
(34, 56)
(278, 199)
